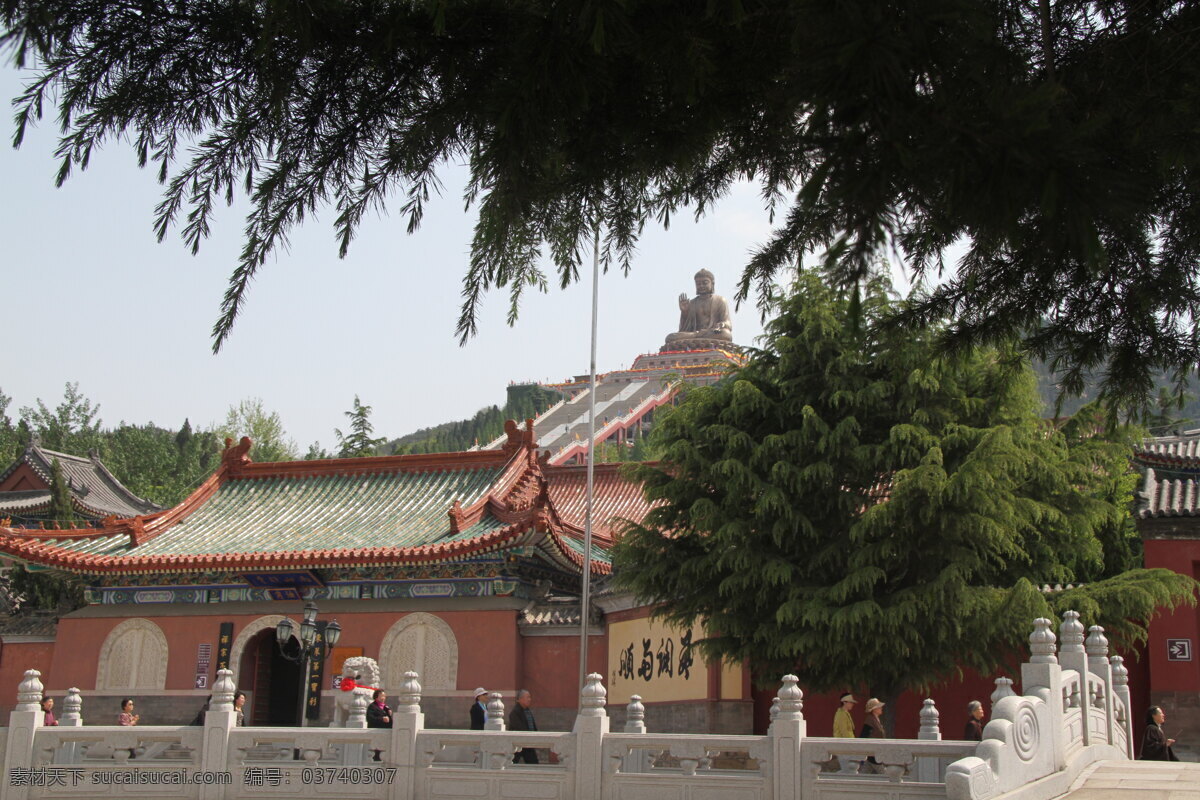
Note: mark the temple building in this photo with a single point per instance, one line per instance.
(1168, 519)
(95, 492)
(465, 567)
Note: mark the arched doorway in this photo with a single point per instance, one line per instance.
(273, 682)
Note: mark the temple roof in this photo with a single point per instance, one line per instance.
(1171, 497)
(614, 499)
(95, 492)
(1179, 452)
(346, 512)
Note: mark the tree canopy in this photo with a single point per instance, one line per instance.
(851, 506)
(359, 441)
(1055, 142)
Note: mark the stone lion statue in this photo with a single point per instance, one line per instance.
(364, 671)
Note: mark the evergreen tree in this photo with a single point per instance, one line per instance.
(9, 441)
(1056, 140)
(316, 453)
(853, 508)
(62, 509)
(359, 441)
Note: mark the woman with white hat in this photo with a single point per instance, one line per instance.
(479, 709)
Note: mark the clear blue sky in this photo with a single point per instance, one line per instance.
(92, 297)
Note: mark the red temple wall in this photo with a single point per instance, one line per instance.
(15, 658)
(1180, 555)
(551, 667)
(488, 644)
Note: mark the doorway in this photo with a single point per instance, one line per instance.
(274, 682)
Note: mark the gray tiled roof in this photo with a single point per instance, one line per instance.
(35, 624)
(1185, 445)
(1175, 497)
(96, 491)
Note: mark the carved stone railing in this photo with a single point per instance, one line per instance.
(1073, 709)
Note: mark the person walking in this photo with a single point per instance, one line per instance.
(872, 729)
(843, 722)
(1155, 744)
(203, 712)
(479, 709)
(47, 705)
(973, 732)
(521, 719)
(378, 713)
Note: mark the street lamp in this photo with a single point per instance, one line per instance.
(308, 646)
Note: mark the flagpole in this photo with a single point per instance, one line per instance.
(591, 462)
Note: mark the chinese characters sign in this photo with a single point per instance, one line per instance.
(659, 663)
(224, 644)
(316, 672)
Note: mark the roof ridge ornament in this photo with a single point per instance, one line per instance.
(458, 519)
(236, 456)
(519, 439)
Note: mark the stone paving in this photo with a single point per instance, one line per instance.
(1145, 780)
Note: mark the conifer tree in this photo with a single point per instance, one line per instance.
(853, 508)
(1052, 145)
(62, 511)
(359, 441)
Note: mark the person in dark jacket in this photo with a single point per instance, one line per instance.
(1155, 744)
(521, 719)
(872, 729)
(974, 730)
(479, 709)
(199, 720)
(378, 713)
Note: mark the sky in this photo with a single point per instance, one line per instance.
(93, 298)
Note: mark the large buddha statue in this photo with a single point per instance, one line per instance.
(704, 320)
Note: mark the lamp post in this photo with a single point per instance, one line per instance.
(308, 646)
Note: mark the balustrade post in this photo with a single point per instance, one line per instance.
(1004, 688)
(219, 721)
(1041, 677)
(1097, 652)
(1071, 656)
(787, 734)
(354, 754)
(635, 722)
(72, 709)
(407, 721)
(591, 726)
(494, 710)
(357, 716)
(1123, 711)
(929, 769)
(70, 752)
(23, 722)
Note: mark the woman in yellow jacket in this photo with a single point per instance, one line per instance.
(843, 723)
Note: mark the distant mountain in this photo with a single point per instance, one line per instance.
(1166, 413)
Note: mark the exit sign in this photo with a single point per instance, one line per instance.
(1179, 649)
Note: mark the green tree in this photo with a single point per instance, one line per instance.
(62, 509)
(853, 508)
(1056, 140)
(359, 441)
(9, 440)
(265, 429)
(50, 591)
(72, 427)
